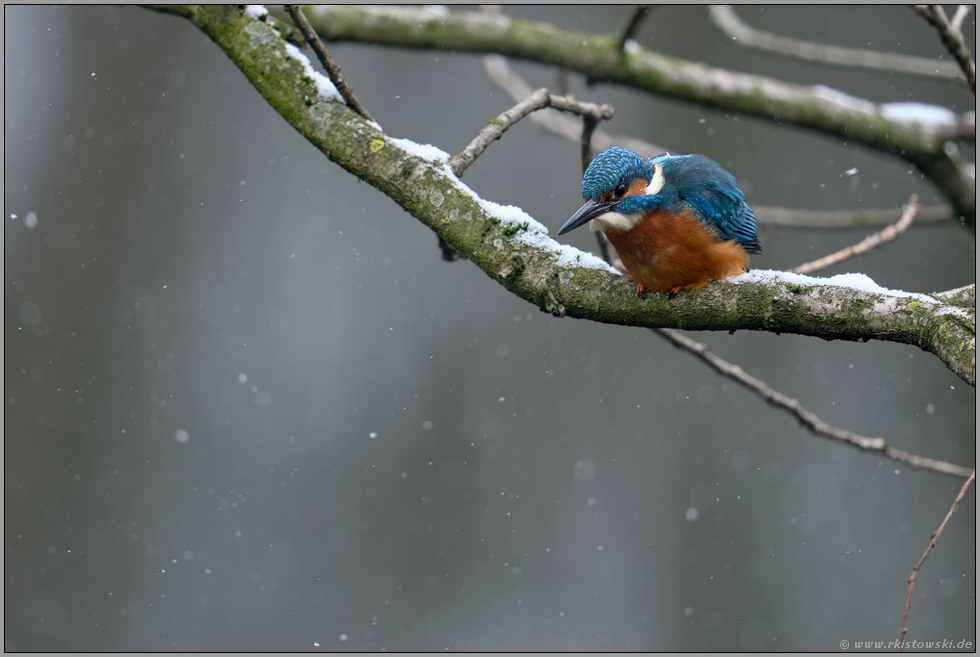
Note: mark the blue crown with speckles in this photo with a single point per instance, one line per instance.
(610, 167)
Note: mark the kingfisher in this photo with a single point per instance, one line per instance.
(676, 221)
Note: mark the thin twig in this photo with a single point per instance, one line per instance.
(776, 216)
(726, 20)
(556, 123)
(873, 241)
(588, 129)
(962, 11)
(632, 25)
(806, 418)
(932, 544)
(561, 79)
(952, 38)
(329, 65)
(537, 100)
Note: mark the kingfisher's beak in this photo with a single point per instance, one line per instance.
(590, 210)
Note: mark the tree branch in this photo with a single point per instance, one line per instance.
(517, 252)
(962, 11)
(726, 20)
(776, 216)
(556, 122)
(922, 559)
(952, 38)
(805, 417)
(537, 100)
(870, 242)
(329, 65)
(900, 129)
(632, 25)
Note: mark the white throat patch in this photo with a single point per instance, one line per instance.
(615, 220)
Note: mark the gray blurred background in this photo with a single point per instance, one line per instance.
(248, 407)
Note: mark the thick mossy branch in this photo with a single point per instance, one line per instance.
(820, 109)
(502, 249)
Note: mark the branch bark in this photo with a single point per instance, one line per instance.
(817, 108)
(729, 22)
(516, 251)
(952, 38)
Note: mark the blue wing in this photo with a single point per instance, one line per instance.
(713, 194)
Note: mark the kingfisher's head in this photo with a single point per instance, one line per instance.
(613, 177)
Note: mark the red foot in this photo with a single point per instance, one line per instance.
(674, 291)
(640, 290)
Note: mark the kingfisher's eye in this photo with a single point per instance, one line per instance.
(620, 189)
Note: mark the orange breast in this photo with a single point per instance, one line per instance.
(664, 251)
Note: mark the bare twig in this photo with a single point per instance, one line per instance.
(726, 20)
(561, 79)
(776, 216)
(870, 242)
(932, 544)
(632, 25)
(588, 129)
(329, 65)
(537, 100)
(806, 418)
(555, 122)
(952, 38)
(962, 11)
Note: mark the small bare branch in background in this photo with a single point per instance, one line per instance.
(632, 24)
(870, 242)
(726, 20)
(932, 544)
(806, 418)
(962, 11)
(537, 100)
(952, 38)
